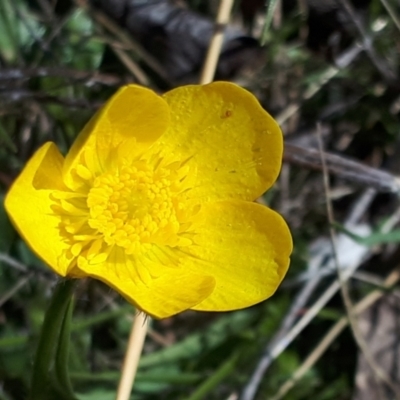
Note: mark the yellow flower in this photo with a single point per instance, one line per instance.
(155, 199)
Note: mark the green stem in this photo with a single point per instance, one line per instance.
(49, 337)
(62, 355)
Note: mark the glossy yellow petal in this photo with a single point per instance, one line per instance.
(159, 289)
(223, 132)
(29, 206)
(245, 247)
(130, 122)
(153, 197)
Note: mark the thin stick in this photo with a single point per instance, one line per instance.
(139, 328)
(10, 292)
(367, 43)
(335, 330)
(351, 170)
(278, 347)
(380, 374)
(132, 356)
(123, 37)
(210, 65)
(392, 13)
(131, 65)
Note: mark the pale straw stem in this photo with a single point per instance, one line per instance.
(214, 49)
(132, 356)
(139, 327)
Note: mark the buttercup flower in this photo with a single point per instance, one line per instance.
(155, 199)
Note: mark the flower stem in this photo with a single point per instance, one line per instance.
(139, 327)
(214, 49)
(49, 338)
(132, 356)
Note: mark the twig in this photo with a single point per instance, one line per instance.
(343, 167)
(367, 41)
(344, 288)
(13, 263)
(333, 333)
(132, 356)
(343, 61)
(125, 38)
(10, 96)
(56, 25)
(131, 65)
(283, 339)
(358, 209)
(89, 77)
(284, 342)
(139, 327)
(392, 13)
(10, 292)
(214, 49)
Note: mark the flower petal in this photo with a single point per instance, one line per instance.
(221, 129)
(132, 120)
(29, 206)
(170, 291)
(245, 247)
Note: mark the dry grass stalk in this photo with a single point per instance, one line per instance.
(380, 374)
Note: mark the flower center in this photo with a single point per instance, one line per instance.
(133, 206)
